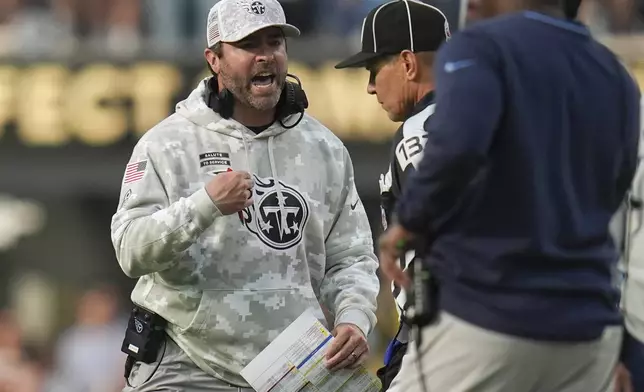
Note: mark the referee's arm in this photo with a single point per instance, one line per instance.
(469, 104)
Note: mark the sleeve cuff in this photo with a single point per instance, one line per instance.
(205, 208)
(415, 226)
(356, 317)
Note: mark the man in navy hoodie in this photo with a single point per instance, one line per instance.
(530, 152)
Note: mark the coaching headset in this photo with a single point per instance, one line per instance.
(292, 101)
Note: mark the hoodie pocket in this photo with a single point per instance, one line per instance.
(178, 305)
(252, 318)
(266, 307)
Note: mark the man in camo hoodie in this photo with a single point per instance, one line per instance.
(235, 225)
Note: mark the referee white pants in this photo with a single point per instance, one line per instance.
(459, 357)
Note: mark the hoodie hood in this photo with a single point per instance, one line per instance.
(195, 110)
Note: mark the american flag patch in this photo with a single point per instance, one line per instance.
(135, 171)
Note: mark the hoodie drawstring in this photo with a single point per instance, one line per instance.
(278, 186)
(250, 167)
(280, 196)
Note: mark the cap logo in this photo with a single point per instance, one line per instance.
(256, 7)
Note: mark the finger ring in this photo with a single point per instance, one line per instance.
(354, 356)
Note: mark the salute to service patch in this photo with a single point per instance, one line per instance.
(215, 162)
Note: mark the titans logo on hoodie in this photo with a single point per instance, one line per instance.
(280, 216)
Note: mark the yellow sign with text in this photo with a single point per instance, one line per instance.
(99, 104)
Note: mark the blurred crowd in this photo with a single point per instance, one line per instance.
(613, 16)
(84, 352)
(127, 27)
(86, 357)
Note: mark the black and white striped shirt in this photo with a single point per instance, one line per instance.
(408, 145)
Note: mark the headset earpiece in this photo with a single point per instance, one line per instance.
(292, 101)
(221, 102)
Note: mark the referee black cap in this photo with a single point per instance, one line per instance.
(399, 25)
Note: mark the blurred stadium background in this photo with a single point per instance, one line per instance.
(80, 81)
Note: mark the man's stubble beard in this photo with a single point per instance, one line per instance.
(241, 89)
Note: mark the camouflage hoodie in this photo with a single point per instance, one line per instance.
(228, 285)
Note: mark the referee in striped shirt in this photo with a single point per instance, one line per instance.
(399, 39)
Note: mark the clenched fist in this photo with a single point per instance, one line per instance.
(231, 191)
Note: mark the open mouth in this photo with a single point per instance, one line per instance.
(263, 79)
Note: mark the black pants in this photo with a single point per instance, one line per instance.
(387, 373)
(633, 358)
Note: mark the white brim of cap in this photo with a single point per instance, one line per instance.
(288, 29)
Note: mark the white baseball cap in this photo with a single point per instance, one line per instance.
(234, 20)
